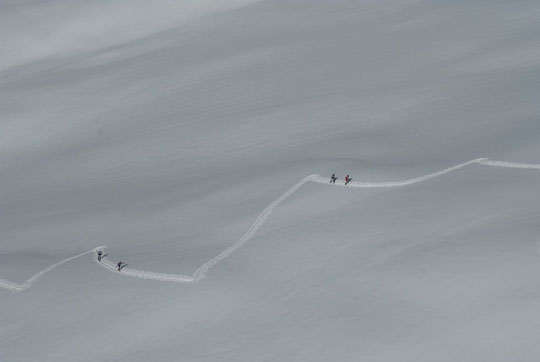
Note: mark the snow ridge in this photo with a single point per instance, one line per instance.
(201, 271)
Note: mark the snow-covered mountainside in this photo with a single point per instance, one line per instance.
(194, 141)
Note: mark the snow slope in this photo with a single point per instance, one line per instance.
(201, 271)
(163, 131)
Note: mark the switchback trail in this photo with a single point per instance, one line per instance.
(201, 271)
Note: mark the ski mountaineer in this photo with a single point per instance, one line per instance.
(120, 265)
(347, 179)
(333, 179)
(99, 255)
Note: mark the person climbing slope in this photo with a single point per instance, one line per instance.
(347, 179)
(99, 255)
(120, 265)
(333, 178)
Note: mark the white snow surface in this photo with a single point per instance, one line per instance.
(179, 135)
(201, 271)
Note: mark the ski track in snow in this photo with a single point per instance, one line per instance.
(17, 288)
(201, 271)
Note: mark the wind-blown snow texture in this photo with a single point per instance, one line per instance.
(163, 131)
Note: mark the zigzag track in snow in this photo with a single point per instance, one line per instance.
(201, 271)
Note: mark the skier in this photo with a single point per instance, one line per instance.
(120, 265)
(347, 179)
(99, 255)
(333, 179)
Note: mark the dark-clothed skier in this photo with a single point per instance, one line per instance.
(120, 265)
(99, 255)
(333, 178)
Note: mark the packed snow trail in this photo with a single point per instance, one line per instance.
(488, 162)
(389, 184)
(201, 271)
(176, 278)
(17, 288)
